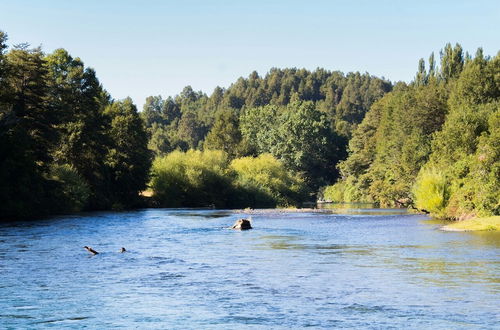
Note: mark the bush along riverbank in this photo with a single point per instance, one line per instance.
(208, 178)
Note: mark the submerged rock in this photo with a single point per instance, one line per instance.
(242, 224)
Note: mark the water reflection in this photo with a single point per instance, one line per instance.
(360, 208)
(329, 208)
(482, 238)
(429, 264)
(281, 243)
(277, 242)
(200, 213)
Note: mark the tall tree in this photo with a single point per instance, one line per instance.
(25, 135)
(421, 78)
(77, 97)
(225, 133)
(128, 157)
(452, 61)
(299, 135)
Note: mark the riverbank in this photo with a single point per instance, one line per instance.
(475, 224)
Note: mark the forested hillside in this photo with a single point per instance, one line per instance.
(433, 144)
(302, 118)
(184, 121)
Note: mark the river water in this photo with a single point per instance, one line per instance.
(183, 269)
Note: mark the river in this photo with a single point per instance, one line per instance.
(357, 268)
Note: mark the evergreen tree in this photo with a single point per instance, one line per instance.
(432, 67)
(25, 135)
(128, 157)
(452, 61)
(225, 133)
(421, 78)
(77, 98)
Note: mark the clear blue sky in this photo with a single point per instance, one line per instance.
(142, 48)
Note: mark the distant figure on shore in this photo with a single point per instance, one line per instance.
(242, 224)
(91, 250)
(122, 250)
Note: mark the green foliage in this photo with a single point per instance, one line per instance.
(192, 178)
(452, 61)
(267, 175)
(485, 173)
(335, 193)
(349, 190)
(75, 96)
(475, 174)
(435, 135)
(204, 178)
(25, 134)
(67, 145)
(467, 146)
(421, 78)
(159, 140)
(431, 191)
(299, 135)
(74, 191)
(478, 83)
(193, 120)
(393, 142)
(128, 157)
(225, 134)
(27, 96)
(268, 115)
(60, 151)
(258, 126)
(363, 143)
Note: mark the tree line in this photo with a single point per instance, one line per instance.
(280, 139)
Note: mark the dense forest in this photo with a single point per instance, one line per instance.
(298, 120)
(65, 145)
(288, 137)
(433, 144)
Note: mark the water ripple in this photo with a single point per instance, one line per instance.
(185, 269)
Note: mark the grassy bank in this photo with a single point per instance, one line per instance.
(476, 224)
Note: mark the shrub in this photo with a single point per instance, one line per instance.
(204, 178)
(431, 191)
(193, 178)
(74, 191)
(335, 193)
(267, 177)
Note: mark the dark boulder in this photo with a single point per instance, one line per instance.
(242, 224)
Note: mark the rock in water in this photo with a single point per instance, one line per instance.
(242, 224)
